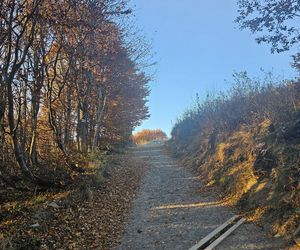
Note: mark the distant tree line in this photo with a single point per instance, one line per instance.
(148, 135)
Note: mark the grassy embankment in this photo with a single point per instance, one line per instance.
(247, 143)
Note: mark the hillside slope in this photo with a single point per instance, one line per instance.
(247, 145)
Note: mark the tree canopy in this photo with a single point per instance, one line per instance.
(69, 83)
(277, 21)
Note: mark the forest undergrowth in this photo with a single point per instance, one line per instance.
(90, 214)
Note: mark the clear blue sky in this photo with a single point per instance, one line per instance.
(198, 46)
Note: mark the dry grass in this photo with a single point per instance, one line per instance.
(247, 145)
(145, 136)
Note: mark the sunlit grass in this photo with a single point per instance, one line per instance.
(6, 223)
(192, 205)
(260, 186)
(34, 201)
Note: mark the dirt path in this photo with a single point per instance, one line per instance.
(170, 211)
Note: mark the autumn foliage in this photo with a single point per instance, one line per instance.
(148, 135)
(71, 83)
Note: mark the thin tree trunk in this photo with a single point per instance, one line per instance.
(23, 119)
(100, 111)
(58, 138)
(68, 118)
(17, 149)
(27, 173)
(35, 110)
(84, 121)
(2, 112)
(78, 128)
(35, 104)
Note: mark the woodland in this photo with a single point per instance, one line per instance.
(70, 84)
(74, 83)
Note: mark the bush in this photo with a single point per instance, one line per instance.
(249, 101)
(148, 135)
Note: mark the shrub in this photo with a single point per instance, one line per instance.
(148, 135)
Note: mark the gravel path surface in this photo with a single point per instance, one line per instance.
(170, 212)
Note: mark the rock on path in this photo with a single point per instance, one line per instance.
(171, 213)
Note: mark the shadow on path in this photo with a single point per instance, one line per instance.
(168, 214)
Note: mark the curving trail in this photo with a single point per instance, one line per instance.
(171, 211)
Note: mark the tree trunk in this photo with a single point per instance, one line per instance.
(35, 110)
(84, 125)
(100, 110)
(78, 128)
(59, 141)
(23, 119)
(2, 112)
(67, 133)
(38, 74)
(27, 173)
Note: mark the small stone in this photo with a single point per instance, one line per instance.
(277, 235)
(53, 204)
(35, 225)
